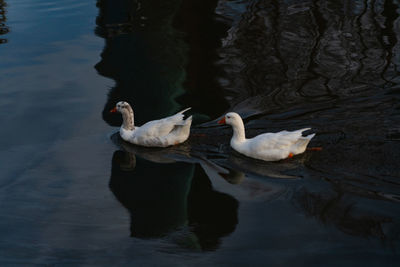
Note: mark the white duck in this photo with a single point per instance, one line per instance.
(268, 146)
(165, 132)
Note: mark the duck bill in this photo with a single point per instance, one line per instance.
(113, 110)
(222, 121)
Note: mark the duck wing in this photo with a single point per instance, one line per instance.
(162, 127)
(177, 134)
(281, 140)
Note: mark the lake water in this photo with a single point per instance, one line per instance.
(72, 193)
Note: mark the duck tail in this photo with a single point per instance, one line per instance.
(186, 125)
(180, 118)
(188, 120)
(308, 137)
(181, 131)
(183, 111)
(184, 122)
(304, 129)
(302, 143)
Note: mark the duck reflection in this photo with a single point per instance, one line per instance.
(284, 169)
(163, 196)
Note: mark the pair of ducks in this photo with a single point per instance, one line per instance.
(175, 129)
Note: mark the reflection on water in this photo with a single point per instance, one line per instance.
(143, 54)
(334, 208)
(202, 89)
(212, 214)
(308, 51)
(282, 65)
(324, 64)
(150, 61)
(146, 56)
(329, 65)
(3, 27)
(165, 196)
(155, 194)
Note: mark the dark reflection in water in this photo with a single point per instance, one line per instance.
(202, 90)
(212, 214)
(150, 61)
(334, 208)
(143, 54)
(3, 27)
(146, 56)
(155, 194)
(324, 64)
(329, 65)
(291, 52)
(166, 197)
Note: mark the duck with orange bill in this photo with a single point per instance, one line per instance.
(267, 146)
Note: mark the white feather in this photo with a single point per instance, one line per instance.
(165, 132)
(267, 146)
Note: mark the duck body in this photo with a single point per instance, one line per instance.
(273, 146)
(165, 132)
(268, 146)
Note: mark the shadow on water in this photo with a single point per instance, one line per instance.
(3, 18)
(280, 64)
(164, 196)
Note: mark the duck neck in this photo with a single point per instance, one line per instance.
(127, 120)
(238, 132)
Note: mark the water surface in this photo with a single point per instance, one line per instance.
(73, 193)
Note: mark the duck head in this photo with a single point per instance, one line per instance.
(120, 107)
(231, 118)
(127, 114)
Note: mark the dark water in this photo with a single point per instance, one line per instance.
(72, 193)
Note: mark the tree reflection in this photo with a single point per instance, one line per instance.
(203, 31)
(161, 199)
(212, 214)
(154, 194)
(143, 54)
(148, 58)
